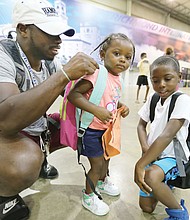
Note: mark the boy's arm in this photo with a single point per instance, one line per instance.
(76, 97)
(157, 147)
(142, 135)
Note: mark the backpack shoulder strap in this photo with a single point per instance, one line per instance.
(50, 65)
(172, 103)
(155, 98)
(96, 95)
(11, 49)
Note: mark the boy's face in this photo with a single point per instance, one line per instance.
(164, 80)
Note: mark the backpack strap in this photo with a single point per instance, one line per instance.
(11, 49)
(50, 65)
(96, 96)
(172, 103)
(155, 98)
(87, 118)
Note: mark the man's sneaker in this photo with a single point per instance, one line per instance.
(108, 187)
(94, 204)
(14, 209)
(48, 171)
(178, 214)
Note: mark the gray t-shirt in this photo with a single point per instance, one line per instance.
(8, 74)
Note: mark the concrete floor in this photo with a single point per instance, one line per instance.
(60, 199)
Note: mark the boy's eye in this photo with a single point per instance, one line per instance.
(168, 79)
(154, 80)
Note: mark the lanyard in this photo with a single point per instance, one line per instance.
(26, 62)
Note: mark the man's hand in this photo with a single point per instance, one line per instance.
(80, 65)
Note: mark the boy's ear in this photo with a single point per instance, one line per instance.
(179, 75)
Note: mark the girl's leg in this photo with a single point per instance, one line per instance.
(105, 169)
(95, 171)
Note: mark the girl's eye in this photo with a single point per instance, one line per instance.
(116, 53)
(128, 57)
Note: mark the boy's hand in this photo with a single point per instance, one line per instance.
(139, 179)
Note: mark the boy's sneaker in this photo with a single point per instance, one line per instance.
(178, 214)
(108, 187)
(14, 209)
(94, 204)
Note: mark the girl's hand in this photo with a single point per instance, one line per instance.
(125, 110)
(139, 178)
(103, 114)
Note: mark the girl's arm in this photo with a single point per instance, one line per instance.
(157, 147)
(76, 97)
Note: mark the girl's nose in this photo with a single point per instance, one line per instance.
(123, 59)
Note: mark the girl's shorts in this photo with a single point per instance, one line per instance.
(169, 166)
(92, 143)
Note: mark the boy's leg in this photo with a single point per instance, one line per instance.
(147, 202)
(156, 177)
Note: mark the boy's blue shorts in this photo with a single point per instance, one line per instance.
(92, 143)
(169, 166)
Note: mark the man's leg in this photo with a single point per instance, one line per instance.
(21, 161)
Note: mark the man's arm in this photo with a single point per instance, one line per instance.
(18, 110)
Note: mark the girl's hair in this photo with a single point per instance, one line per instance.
(166, 61)
(107, 41)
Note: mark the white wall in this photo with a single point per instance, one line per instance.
(138, 9)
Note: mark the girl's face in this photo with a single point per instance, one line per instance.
(117, 58)
(164, 80)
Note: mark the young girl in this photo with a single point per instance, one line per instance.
(117, 52)
(157, 147)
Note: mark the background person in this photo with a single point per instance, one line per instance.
(144, 72)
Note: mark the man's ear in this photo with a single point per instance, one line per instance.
(22, 29)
